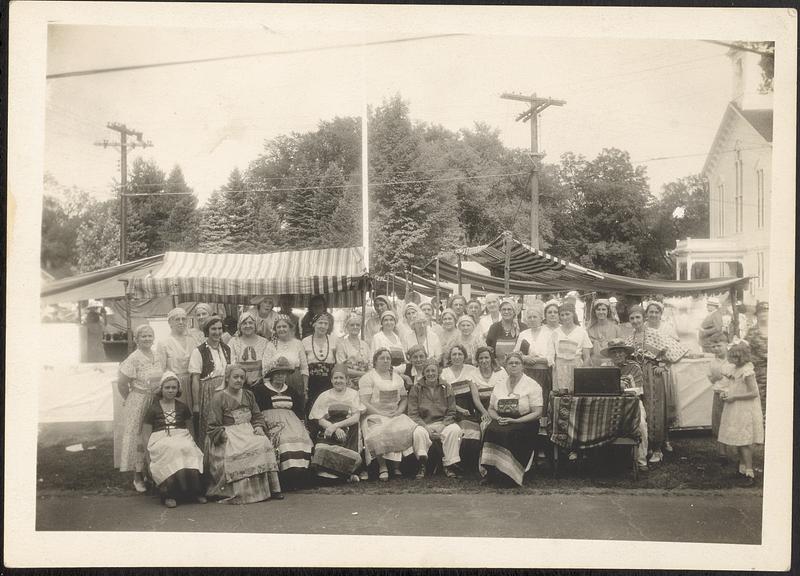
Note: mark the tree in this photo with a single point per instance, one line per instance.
(98, 237)
(147, 214)
(59, 234)
(181, 229)
(412, 218)
(680, 212)
(213, 228)
(601, 222)
(239, 210)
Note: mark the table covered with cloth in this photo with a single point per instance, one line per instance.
(580, 422)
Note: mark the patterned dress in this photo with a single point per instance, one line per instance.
(355, 356)
(250, 355)
(145, 375)
(333, 457)
(242, 464)
(653, 348)
(282, 412)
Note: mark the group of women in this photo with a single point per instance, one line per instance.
(236, 420)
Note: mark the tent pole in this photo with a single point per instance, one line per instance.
(507, 267)
(459, 272)
(363, 306)
(128, 326)
(405, 286)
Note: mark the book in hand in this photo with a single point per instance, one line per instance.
(508, 406)
(525, 347)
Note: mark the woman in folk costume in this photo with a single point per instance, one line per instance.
(470, 411)
(572, 348)
(176, 462)
(284, 344)
(502, 336)
(655, 351)
(241, 459)
(373, 324)
(653, 314)
(177, 348)
(450, 331)
(352, 351)
(207, 365)
(248, 349)
(320, 347)
(334, 418)
(386, 429)
(422, 335)
(537, 349)
(468, 337)
(282, 409)
(138, 379)
(602, 329)
(515, 408)
(201, 313)
(389, 339)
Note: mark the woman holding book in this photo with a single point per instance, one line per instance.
(515, 408)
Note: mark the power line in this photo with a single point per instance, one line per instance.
(94, 71)
(697, 154)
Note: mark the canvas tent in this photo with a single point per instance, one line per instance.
(533, 271)
(338, 273)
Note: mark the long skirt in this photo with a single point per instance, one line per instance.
(508, 448)
(565, 374)
(390, 438)
(207, 389)
(171, 452)
(335, 458)
(543, 377)
(132, 453)
(289, 437)
(243, 469)
(716, 413)
(656, 404)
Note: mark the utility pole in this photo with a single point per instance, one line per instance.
(123, 145)
(532, 114)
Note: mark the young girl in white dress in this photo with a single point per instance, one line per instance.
(742, 423)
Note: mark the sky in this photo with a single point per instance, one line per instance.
(660, 100)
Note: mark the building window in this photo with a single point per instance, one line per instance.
(738, 199)
(721, 209)
(760, 198)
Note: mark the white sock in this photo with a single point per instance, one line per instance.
(749, 473)
(741, 469)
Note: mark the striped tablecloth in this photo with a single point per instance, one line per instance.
(579, 422)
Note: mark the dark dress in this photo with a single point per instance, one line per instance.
(283, 411)
(175, 460)
(502, 342)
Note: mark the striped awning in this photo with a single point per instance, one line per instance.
(530, 264)
(237, 278)
(534, 271)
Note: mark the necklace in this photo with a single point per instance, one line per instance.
(327, 349)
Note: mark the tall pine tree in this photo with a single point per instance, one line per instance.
(180, 231)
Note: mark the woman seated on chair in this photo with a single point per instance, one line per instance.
(470, 411)
(432, 406)
(387, 430)
(282, 409)
(241, 458)
(515, 408)
(175, 460)
(335, 419)
(633, 383)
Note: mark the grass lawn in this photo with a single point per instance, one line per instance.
(692, 466)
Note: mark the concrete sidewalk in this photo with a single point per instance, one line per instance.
(700, 517)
